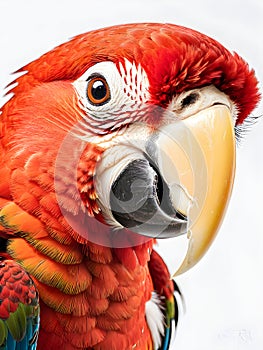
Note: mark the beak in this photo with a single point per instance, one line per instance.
(200, 151)
(175, 181)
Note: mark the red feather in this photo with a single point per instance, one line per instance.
(93, 296)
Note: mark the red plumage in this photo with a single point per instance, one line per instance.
(16, 287)
(197, 60)
(93, 297)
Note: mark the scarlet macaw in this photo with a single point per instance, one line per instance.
(115, 138)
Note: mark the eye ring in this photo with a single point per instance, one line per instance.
(98, 91)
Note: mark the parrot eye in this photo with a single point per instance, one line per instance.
(98, 91)
(106, 88)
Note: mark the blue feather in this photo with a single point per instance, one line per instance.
(26, 343)
(11, 343)
(166, 340)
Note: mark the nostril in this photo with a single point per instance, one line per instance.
(189, 100)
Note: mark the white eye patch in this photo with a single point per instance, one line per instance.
(127, 86)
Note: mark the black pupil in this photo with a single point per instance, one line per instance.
(99, 90)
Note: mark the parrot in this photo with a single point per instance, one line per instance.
(113, 140)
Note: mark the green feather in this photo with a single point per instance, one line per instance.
(31, 310)
(3, 332)
(170, 312)
(17, 323)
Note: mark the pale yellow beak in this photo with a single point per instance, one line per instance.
(201, 151)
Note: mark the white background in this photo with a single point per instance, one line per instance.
(224, 291)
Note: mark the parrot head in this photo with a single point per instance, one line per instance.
(127, 133)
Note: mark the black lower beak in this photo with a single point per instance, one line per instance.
(140, 201)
